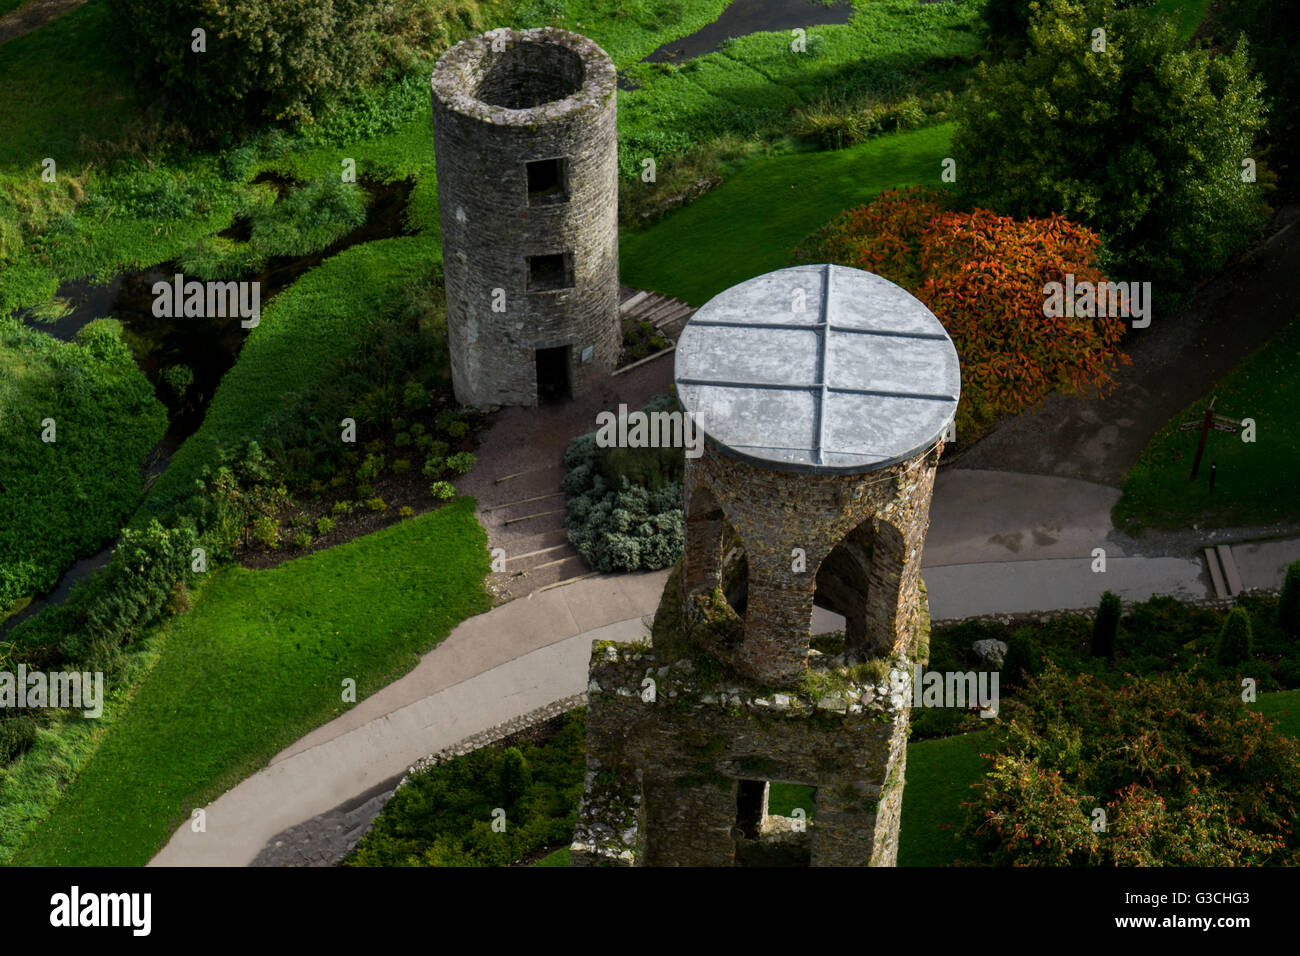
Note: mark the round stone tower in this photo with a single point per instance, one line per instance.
(525, 139)
(824, 394)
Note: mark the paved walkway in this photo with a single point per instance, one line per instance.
(999, 543)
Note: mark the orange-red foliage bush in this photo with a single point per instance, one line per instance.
(982, 275)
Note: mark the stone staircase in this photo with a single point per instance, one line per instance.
(517, 478)
(667, 314)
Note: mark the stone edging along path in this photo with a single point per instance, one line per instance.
(32, 15)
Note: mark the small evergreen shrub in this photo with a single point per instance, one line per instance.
(1105, 626)
(1235, 644)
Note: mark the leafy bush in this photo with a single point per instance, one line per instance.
(442, 490)
(624, 510)
(461, 462)
(1185, 773)
(833, 124)
(324, 525)
(401, 466)
(377, 504)
(1235, 642)
(443, 816)
(983, 276)
(302, 541)
(1142, 142)
(265, 60)
(1288, 605)
(64, 499)
(310, 218)
(1105, 625)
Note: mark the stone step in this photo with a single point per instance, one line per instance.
(1230, 573)
(678, 313)
(628, 304)
(1216, 576)
(660, 310)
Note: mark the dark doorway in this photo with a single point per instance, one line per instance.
(553, 375)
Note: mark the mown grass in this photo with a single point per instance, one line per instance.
(258, 663)
(1255, 481)
(939, 776)
(751, 223)
(1186, 14)
(752, 86)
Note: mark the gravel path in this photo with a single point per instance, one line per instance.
(35, 14)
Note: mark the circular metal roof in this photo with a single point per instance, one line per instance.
(820, 369)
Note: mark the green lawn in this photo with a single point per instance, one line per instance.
(1255, 482)
(258, 663)
(939, 776)
(1186, 14)
(750, 224)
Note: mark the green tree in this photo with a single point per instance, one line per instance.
(1105, 626)
(262, 60)
(515, 777)
(1235, 642)
(1142, 140)
(1288, 605)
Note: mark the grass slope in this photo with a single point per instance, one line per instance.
(939, 777)
(1255, 482)
(258, 663)
(301, 332)
(751, 223)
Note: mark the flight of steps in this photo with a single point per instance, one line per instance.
(523, 513)
(667, 314)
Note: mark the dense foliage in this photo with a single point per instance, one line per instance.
(444, 814)
(63, 499)
(983, 275)
(1273, 29)
(1143, 142)
(1183, 772)
(261, 59)
(625, 504)
(1162, 635)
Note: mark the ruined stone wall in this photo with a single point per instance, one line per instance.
(664, 773)
(548, 94)
(885, 512)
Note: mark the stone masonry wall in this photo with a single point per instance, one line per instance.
(489, 226)
(885, 513)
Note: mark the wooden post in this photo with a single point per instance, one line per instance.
(1206, 423)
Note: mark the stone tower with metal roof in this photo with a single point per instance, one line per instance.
(823, 393)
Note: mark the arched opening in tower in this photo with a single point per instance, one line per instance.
(843, 583)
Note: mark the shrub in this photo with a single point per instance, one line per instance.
(1143, 142)
(1105, 625)
(415, 395)
(302, 541)
(324, 525)
(616, 522)
(401, 466)
(1288, 605)
(442, 490)
(401, 439)
(266, 532)
(434, 465)
(376, 504)
(457, 429)
(341, 508)
(1235, 641)
(1164, 758)
(310, 218)
(983, 276)
(265, 60)
(406, 511)
(461, 462)
(514, 778)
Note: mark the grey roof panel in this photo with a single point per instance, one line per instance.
(818, 368)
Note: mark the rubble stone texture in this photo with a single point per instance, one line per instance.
(808, 491)
(525, 141)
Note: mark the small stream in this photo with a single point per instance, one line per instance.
(744, 17)
(208, 346)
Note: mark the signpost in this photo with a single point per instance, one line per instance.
(1209, 421)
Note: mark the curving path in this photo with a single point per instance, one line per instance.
(999, 543)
